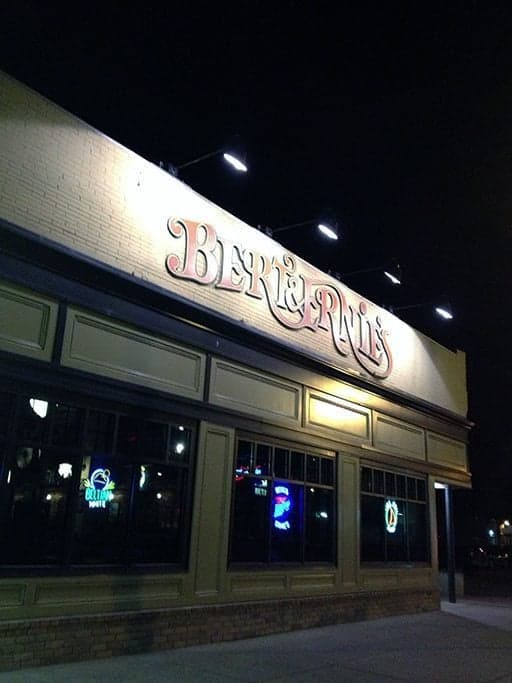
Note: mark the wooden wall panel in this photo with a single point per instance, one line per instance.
(337, 417)
(238, 388)
(27, 322)
(444, 451)
(394, 436)
(114, 350)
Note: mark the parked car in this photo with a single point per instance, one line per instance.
(491, 556)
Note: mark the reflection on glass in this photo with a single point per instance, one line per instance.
(319, 525)
(158, 515)
(249, 536)
(35, 503)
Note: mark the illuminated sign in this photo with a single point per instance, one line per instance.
(260, 487)
(98, 488)
(391, 516)
(282, 507)
(295, 300)
(65, 470)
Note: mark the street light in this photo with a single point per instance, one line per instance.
(329, 229)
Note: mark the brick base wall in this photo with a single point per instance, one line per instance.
(36, 642)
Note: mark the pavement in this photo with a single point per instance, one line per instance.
(468, 641)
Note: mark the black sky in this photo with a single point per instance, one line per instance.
(395, 119)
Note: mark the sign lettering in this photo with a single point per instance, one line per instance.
(294, 299)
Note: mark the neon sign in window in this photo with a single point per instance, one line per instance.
(282, 505)
(98, 488)
(391, 516)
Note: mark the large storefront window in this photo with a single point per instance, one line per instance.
(393, 517)
(284, 505)
(88, 485)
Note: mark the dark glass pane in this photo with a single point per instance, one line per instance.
(422, 489)
(389, 483)
(281, 461)
(372, 529)
(393, 512)
(249, 535)
(287, 513)
(99, 432)
(297, 466)
(66, 424)
(262, 461)
(313, 469)
(366, 480)
(35, 502)
(417, 532)
(6, 404)
(153, 442)
(378, 481)
(32, 420)
(158, 513)
(319, 525)
(180, 444)
(411, 488)
(129, 436)
(400, 486)
(243, 458)
(100, 525)
(327, 471)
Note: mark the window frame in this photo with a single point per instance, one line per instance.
(406, 500)
(273, 444)
(131, 406)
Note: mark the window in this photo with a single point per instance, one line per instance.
(393, 517)
(87, 484)
(283, 505)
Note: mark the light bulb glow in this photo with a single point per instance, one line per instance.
(392, 277)
(328, 231)
(236, 163)
(444, 313)
(65, 470)
(39, 407)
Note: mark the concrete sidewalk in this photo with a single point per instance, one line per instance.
(468, 641)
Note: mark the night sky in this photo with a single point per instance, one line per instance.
(395, 120)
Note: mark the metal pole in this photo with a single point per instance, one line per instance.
(450, 543)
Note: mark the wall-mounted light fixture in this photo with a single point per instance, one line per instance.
(328, 228)
(233, 154)
(442, 309)
(391, 270)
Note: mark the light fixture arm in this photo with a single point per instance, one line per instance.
(444, 310)
(360, 272)
(294, 225)
(201, 158)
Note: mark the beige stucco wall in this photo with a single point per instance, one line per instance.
(67, 182)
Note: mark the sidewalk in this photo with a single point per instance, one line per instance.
(468, 641)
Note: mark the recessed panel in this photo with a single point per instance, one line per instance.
(105, 347)
(255, 393)
(398, 437)
(333, 414)
(27, 322)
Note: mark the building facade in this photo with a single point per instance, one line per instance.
(202, 436)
